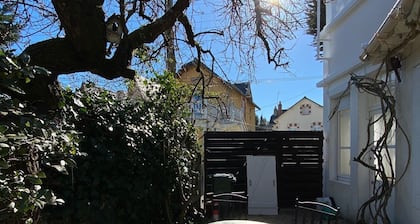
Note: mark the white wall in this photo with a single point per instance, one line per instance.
(343, 45)
(408, 190)
(349, 195)
(345, 35)
(293, 115)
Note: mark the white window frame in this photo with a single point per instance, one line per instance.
(377, 132)
(375, 112)
(343, 148)
(336, 146)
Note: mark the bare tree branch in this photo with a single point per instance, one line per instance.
(242, 30)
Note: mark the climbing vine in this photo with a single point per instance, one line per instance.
(374, 210)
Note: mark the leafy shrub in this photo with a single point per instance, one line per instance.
(142, 160)
(9, 29)
(28, 142)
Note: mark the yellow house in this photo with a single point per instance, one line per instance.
(216, 104)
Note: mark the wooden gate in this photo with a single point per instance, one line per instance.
(298, 160)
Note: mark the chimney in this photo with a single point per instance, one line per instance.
(279, 109)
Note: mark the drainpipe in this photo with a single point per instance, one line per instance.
(318, 27)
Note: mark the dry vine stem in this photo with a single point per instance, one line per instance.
(374, 209)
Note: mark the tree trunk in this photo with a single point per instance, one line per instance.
(84, 46)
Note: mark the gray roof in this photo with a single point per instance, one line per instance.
(244, 88)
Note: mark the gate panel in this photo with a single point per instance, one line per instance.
(298, 158)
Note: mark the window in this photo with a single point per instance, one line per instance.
(344, 152)
(305, 109)
(197, 107)
(316, 126)
(388, 158)
(293, 126)
(378, 129)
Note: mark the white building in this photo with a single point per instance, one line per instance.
(304, 115)
(371, 38)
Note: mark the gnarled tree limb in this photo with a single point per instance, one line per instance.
(84, 46)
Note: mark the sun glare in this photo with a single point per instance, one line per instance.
(274, 2)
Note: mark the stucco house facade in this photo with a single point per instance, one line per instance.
(218, 105)
(371, 40)
(304, 115)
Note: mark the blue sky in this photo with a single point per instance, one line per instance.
(272, 86)
(269, 86)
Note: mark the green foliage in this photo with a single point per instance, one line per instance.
(15, 72)
(142, 160)
(9, 30)
(28, 142)
(311, 16)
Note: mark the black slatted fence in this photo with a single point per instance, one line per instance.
(298, 158)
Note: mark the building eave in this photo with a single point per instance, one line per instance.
(399, 27)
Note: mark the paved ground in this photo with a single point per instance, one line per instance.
(286, 216)
(238, 222)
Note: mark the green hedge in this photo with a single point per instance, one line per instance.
(119, 159)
